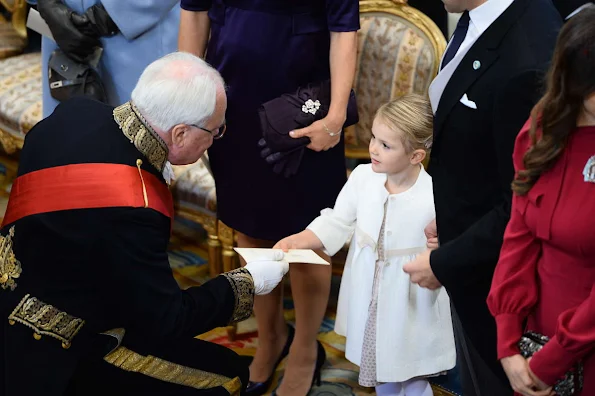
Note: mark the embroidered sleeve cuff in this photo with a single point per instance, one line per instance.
(243, 288)
(510, 331)
(552, 362)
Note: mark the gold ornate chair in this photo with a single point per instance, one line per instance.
(399, 52)
(13, 33)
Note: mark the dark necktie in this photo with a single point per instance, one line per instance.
(457, 39)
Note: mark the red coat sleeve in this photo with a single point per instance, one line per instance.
(514, 285)
(574, 338)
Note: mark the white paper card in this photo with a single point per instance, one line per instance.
(35, 22)
(292, 256)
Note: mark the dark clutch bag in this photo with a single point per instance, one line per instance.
(68, 78)
(572, 383)
(288, 112)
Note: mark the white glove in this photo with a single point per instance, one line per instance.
(267, 271)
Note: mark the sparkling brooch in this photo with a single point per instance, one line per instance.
(311, 106)
(589, 171)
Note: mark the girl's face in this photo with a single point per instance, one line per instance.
(387, 151)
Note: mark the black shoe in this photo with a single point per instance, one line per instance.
(260, 388)
(320, 359)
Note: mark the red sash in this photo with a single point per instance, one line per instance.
(86, 186)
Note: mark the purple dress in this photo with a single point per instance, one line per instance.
(263, 49)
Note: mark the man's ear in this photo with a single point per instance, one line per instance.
(417, 157)
(178, 134)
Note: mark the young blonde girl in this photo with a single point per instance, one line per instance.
(398, 333)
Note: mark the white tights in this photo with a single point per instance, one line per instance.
(413, 387)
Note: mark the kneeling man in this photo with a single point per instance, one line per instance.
(88, 302)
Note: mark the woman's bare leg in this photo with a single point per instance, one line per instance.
(310, 287)
(272, 329)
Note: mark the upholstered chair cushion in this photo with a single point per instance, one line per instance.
(395, 57)
(20, 94)
(194, 188)
(11, 43)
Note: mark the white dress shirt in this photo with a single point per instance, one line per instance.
(481, 18)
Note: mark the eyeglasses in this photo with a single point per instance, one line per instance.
(217, 132)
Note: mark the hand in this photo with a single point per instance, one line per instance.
(69, 38)
(320, 138)
(431, 232)
(421, 272)
(268, 271)
(95, 22)
(295, 241)
(518, 373)
(538, 382)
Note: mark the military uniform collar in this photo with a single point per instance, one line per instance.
(136, 128)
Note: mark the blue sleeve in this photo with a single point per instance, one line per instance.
(342, 15)
(135, 17)
(196, 5)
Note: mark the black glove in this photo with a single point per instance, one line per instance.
(76, 35)
(95, 22)
(285, 163)
(70, 39)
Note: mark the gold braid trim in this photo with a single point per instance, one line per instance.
(45, 319)
(174, 373)
(243, 288)
(10, 267)
(136, 128)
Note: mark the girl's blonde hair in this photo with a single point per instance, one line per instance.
(411, 114)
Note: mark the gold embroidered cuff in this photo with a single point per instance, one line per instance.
(10, 267)
(243, 289)
(45, 319)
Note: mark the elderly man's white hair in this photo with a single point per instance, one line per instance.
(179, 88)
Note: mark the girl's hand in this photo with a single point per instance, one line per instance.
(431, 232)
(291, 242)
(303, 240)
(518, 373)
(324, 134)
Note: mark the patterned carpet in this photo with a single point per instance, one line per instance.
(339, 377)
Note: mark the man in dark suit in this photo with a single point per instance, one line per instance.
(490, 79)
(568, 8)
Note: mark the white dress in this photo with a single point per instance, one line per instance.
(414, 334)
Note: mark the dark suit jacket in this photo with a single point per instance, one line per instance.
(107, 266)
(471, 159)
(567, 7)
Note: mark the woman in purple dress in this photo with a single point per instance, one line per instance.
(263, 49)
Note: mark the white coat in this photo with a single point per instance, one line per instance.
(414, 335)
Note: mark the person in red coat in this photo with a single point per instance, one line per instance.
(545, 279)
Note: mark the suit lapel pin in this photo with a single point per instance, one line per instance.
(589, 171)
(476, 65)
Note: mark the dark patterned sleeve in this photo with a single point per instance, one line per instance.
(196, 5)
(342, 15)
